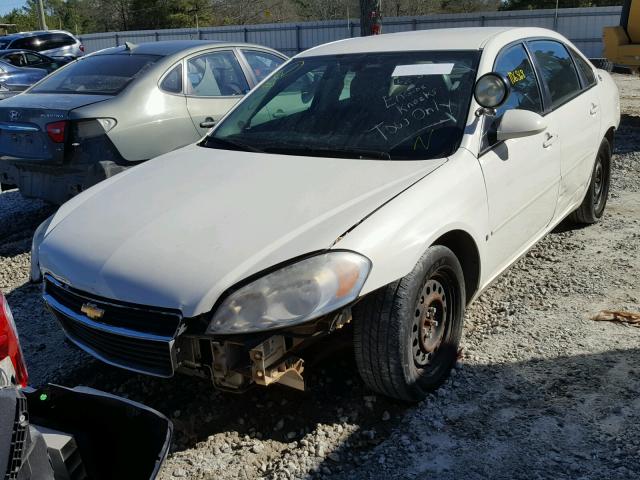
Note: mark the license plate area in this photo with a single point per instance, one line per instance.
(23, 144)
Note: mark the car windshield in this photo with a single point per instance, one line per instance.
(4, 44)
(96, 74)
(395, 106)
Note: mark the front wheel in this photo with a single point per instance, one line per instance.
(595, 200)
(407, 334)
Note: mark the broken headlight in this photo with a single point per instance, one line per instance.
(297, 293)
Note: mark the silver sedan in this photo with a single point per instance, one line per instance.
(118, 107)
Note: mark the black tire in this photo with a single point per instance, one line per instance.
(602, 64)
(396, 326)
(595, 200)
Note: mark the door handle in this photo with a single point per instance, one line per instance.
(549, 139)
(208, 123)
(594, 109)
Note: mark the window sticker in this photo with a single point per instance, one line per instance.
(422, 69)
(516, 75)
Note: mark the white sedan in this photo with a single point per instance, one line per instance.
(378, 183)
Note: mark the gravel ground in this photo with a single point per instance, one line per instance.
(541, 390)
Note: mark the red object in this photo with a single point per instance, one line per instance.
(82, 48)
(10, 344)
(56, 131)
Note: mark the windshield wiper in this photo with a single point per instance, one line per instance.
(230, 145)
(360, 153)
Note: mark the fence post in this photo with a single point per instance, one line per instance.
(156, 35)
(482, 20)
(414, 24)
(199, 34)
(350, 29)
(298, 39)
(245, 34)
(117, 41)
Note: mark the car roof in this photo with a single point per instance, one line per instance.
(13, 36)
(171, 47)
(466, 38)
(19, 50)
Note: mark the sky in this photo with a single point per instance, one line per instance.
(7, 5)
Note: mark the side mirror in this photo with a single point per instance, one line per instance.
(520, 123)
(492, 90)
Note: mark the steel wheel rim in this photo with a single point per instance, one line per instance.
(599, 185)
(431, 320)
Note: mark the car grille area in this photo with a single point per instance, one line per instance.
(129, 336)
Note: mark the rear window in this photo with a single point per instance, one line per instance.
(97, 74)
(58, 40)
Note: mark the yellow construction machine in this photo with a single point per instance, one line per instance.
(622, 43)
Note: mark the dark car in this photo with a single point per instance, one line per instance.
(28, 58)
(14, 80)
(54, 43)
(54, 432)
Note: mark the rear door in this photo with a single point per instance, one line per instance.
(576, 110)
(215, 82)
(521, 174)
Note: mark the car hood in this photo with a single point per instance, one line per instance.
(179, 230)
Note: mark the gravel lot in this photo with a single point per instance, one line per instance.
(541, 390)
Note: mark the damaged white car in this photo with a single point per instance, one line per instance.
(381, 183)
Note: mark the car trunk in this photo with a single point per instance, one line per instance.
(34, 127)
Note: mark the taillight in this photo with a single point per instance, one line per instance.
(56, 130)
(82, 48)
(10, 345)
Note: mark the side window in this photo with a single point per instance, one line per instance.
(43, 42)
(172, 82)
(514, 63)
(557, 70)
(216, 74)
(585, 69)
(262, 63)
(15, 59)
(33, 59)
(64, 40)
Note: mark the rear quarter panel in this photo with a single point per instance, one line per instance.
(609, 101)
(150, 122)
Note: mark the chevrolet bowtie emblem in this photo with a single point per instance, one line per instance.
(92, 311)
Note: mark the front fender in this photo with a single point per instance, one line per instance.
(453, 197)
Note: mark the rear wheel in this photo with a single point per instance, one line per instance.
(407, 334)
(595, 200)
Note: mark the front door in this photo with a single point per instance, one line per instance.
(521, 174)
(215, 83)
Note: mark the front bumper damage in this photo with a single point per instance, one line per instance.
(236, 363)
(159, 342)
